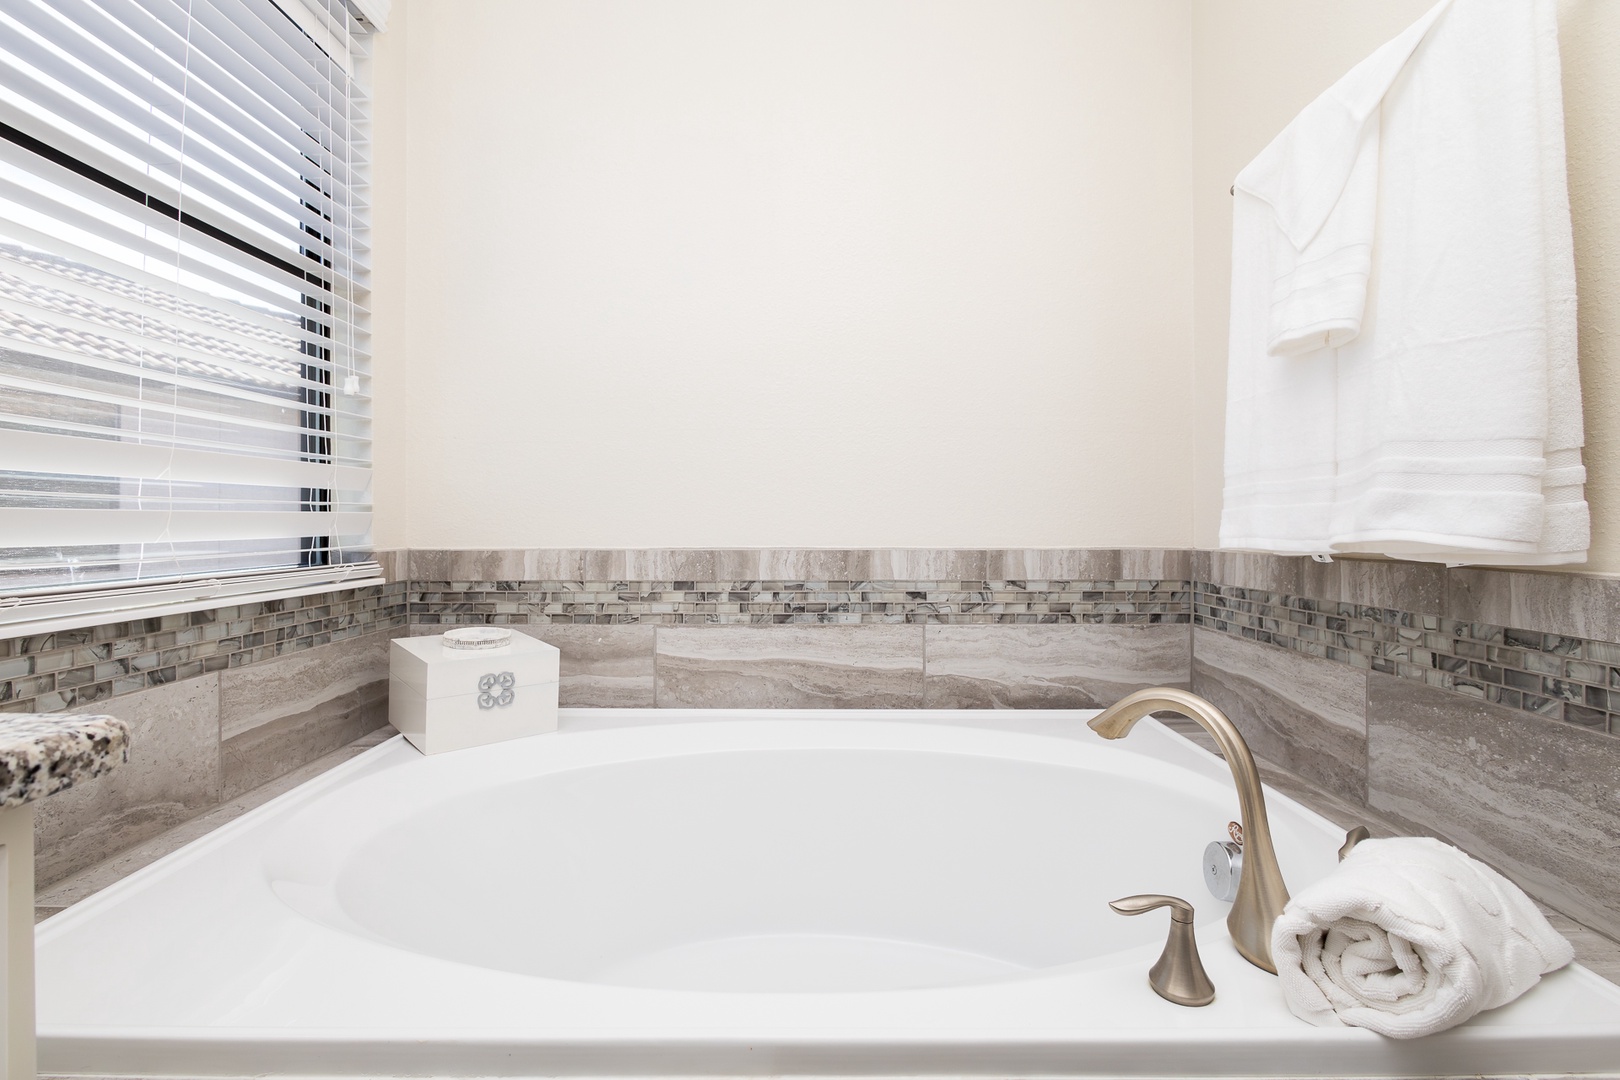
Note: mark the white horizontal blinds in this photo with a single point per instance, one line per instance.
(183, 265)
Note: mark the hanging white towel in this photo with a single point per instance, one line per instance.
(1402, 375)
(1408, 937)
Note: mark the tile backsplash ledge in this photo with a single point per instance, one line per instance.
(1525, 640)
(1541, 643)
(66, 669)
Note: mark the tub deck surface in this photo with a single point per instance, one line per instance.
(270, 947)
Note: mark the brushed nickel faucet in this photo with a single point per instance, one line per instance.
(1261, 893)
(1178, 975)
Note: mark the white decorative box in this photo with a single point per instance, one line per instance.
(446, 698)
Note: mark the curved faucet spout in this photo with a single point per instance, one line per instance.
(1261, 892)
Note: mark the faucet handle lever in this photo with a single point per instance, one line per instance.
(1178, 975)
(1180, 910)
(1352, 838)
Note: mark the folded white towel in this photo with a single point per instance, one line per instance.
(1402, 373)
(1408, 937)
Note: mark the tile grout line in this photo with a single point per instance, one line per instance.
(1192, 638)
(219, 740)
(1366, 735)
(922, 689)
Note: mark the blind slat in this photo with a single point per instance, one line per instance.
(246, 77)
(154, 148)
(41, 528)
(89, 275)
(262, 134)
(183, 291)
(348, 447)
(31, 277)
(91, 285)
(209, 365)
(171, 413)
(137, 231)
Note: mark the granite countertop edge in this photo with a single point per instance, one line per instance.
(43, 754)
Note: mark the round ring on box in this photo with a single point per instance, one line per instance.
(477, 637)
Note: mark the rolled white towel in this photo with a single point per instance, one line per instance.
(1408, 937)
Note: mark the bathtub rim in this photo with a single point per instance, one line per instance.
(963, 1051)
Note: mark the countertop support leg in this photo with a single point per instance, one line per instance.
(17, 1005)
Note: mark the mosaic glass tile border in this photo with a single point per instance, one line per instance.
(52, 672)
(1573, 679)
(685, 603)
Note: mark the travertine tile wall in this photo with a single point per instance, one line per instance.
(1459, 630)
(224, 700)
(1475, 704)
(45, 673)
(219, 701)
(829, 628)
(1472, 704)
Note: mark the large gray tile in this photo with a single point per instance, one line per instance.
(603, 666)
(1155, 564)
(813, 564)
(1059, 666)
(49, 899)
(670, 564)
(736, 564)
(429, 564)
(619, 564)
(553, 564)
(1321, 581)
(1054, 564)
(263, 753)
(173, 773)
(1475, 594)
(324, 679)
(1406, 586)
(395, 563)
(1249, 570)
(1345, 813)
(602, 564)
(927, 564)
(497, 564)
(1600, 953)
(1537, 798)
(648, 564)
(872, 666)
(1576, 605)
(1308, 715)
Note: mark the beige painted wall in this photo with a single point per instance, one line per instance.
(892, 273)
(851, 272)
(1256, 63)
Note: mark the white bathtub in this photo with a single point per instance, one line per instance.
(724, 893)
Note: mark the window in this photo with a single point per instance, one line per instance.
(183, 354)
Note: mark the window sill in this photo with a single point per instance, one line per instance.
(48, 616)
